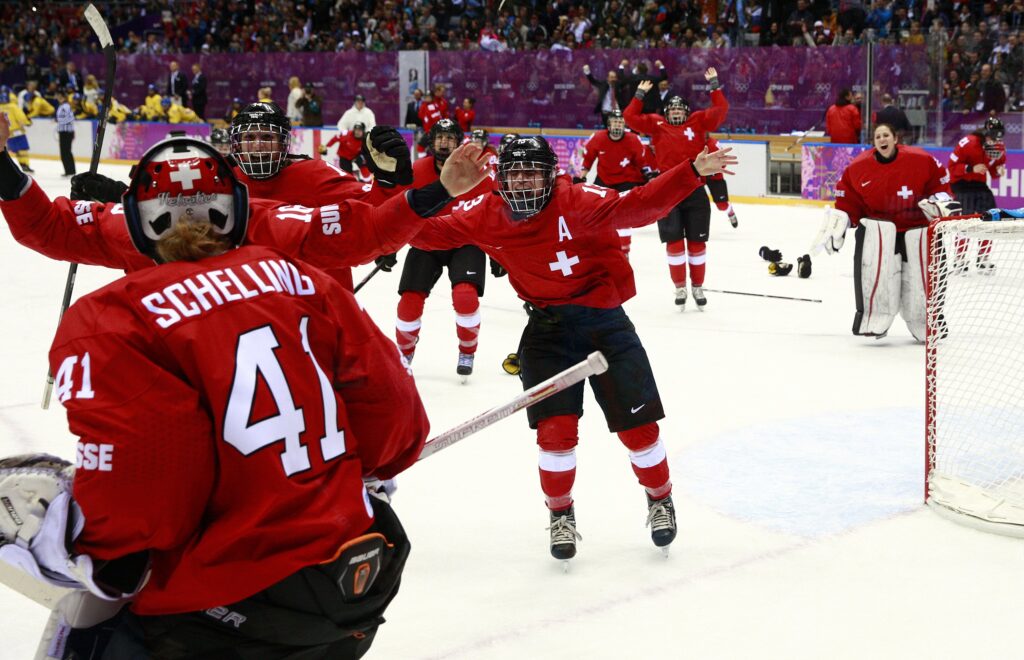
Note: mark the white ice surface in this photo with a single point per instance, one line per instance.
(797, 455)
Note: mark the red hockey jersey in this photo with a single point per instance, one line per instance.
(465, 118)
(970, 151)
(568, 253)
(335, 236)
(431, 113)
(349, 145)
(618, 161)
(890, 191)
(226, 411)
(673, 144)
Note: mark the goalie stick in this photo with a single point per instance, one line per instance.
(594, 364)
(96, 22)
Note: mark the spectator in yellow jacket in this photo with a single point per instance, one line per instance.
(17, 143)
(38, 106)
(179, 114)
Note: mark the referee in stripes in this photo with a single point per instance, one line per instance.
(66, 133)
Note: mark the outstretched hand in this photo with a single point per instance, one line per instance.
(710, 73)
(645, 86)
(464, 169)
(718, 162)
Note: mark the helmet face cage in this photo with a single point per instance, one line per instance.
(616, 126)
(260, 139)
(479, 136)
(444, 127)
(676, 111)
(526, 171)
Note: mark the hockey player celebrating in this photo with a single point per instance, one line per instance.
(980, 154)
(558, 242)
(350, 148)
(888, 194)
(622, 162)
(160, 373)
(336, 235)
(466, 264)
(719, 190)
(681, 135)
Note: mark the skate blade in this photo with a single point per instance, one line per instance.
(664, 552)
(565, 566)
(464, 379)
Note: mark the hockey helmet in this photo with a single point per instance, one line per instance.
(183, 179)
(260, 137)
(527, 168)
(994, 129)
(506, 139)
(480, 136)
(164, 102)
(359, 126)
(220, 140)
(444, 127)
(616, 124)
(676, 110)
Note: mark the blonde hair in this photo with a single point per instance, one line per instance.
(191, 240)
(294, 82)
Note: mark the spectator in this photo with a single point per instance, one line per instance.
(357, 114)
(628, 81)
(198, 91)
(65, 133)
(176, 84)
(311, 105)
(69, 77)
(991, 95)
(773, 36)
(294, 94)
(264, 94)
(894, 116)
(466, 115)
(842, 120)
(654, 103)
(412, 110)
(800, 21)
(610, 96)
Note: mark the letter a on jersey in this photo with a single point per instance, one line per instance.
(563, 230)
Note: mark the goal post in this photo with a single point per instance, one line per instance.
(974, 348)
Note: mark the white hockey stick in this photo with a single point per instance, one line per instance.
(594, 364)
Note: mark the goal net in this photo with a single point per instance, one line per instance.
(975, 372)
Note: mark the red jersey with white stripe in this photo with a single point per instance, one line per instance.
(335, 237)
(424, 172)
(970, 151)
(227, 411)
(618, 161)
(673, 144)
(870, 188)
(569, 252)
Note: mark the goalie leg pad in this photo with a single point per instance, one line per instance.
(913, 280)
(876, 277)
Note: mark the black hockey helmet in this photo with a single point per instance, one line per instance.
(994, 129)
(359, 126)
(480, 136)
(527, 195)
(260, 137)
(506, 139)
(183, 179)
(615, 124)
(221, 140)
(676, 110)
(444, 127)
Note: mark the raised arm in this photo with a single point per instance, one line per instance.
(715, 115)
(633, 114)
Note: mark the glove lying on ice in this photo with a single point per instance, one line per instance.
(769, 254)
(780, 268)
(803, 266)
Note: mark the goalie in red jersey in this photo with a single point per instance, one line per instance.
(888, 194)
(558, 243)
(229, 404)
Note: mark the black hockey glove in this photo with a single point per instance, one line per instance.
(769, 254)
(387, 156)
(12, 180)
(803, 266)
(649, 173)
(386, 262)
(780, 268)
(497, 269)
(95, 187)
(579, 179)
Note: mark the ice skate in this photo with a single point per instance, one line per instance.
(465, 367)
(564, 535)
(699, 297)
(681, 297)
(985, 265)
(661, 518)
(732, 219)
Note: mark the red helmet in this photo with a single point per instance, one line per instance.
(183, 178)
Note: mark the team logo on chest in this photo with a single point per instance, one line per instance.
(563, 261)
(688, 133)
(905, 193)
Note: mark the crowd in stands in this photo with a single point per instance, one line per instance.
(970, 43)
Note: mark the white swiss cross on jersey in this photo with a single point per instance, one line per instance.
(688, 133)
(905, 193)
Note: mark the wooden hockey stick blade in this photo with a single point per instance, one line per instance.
(762, 295)
(594, 364)
(99, 26)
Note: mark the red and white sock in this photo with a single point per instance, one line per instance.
(407, 327)
(625, 240)
(557, 438)
(676, 255)
(648, 458)
(696, 256)
(466, 302)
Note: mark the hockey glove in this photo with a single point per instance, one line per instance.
(511, 364)
(388, 156)
(803, 266)
(649, 173)
(832, 233)
(769, 254)
(95, 187)
(780, 268)
(939, 205)
(497, 269)
(386, 262)
(381, 489)
(579, 179)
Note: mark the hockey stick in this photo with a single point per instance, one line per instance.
(366, 279)
(594, 364)
(92, 15)
(762, 295)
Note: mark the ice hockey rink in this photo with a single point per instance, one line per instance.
(797, 453)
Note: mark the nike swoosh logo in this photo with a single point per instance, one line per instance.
(864, 183)
(470, 272)
(637, 409)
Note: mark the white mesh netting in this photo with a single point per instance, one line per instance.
(975, 372)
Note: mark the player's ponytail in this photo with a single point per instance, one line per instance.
(191, 241)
